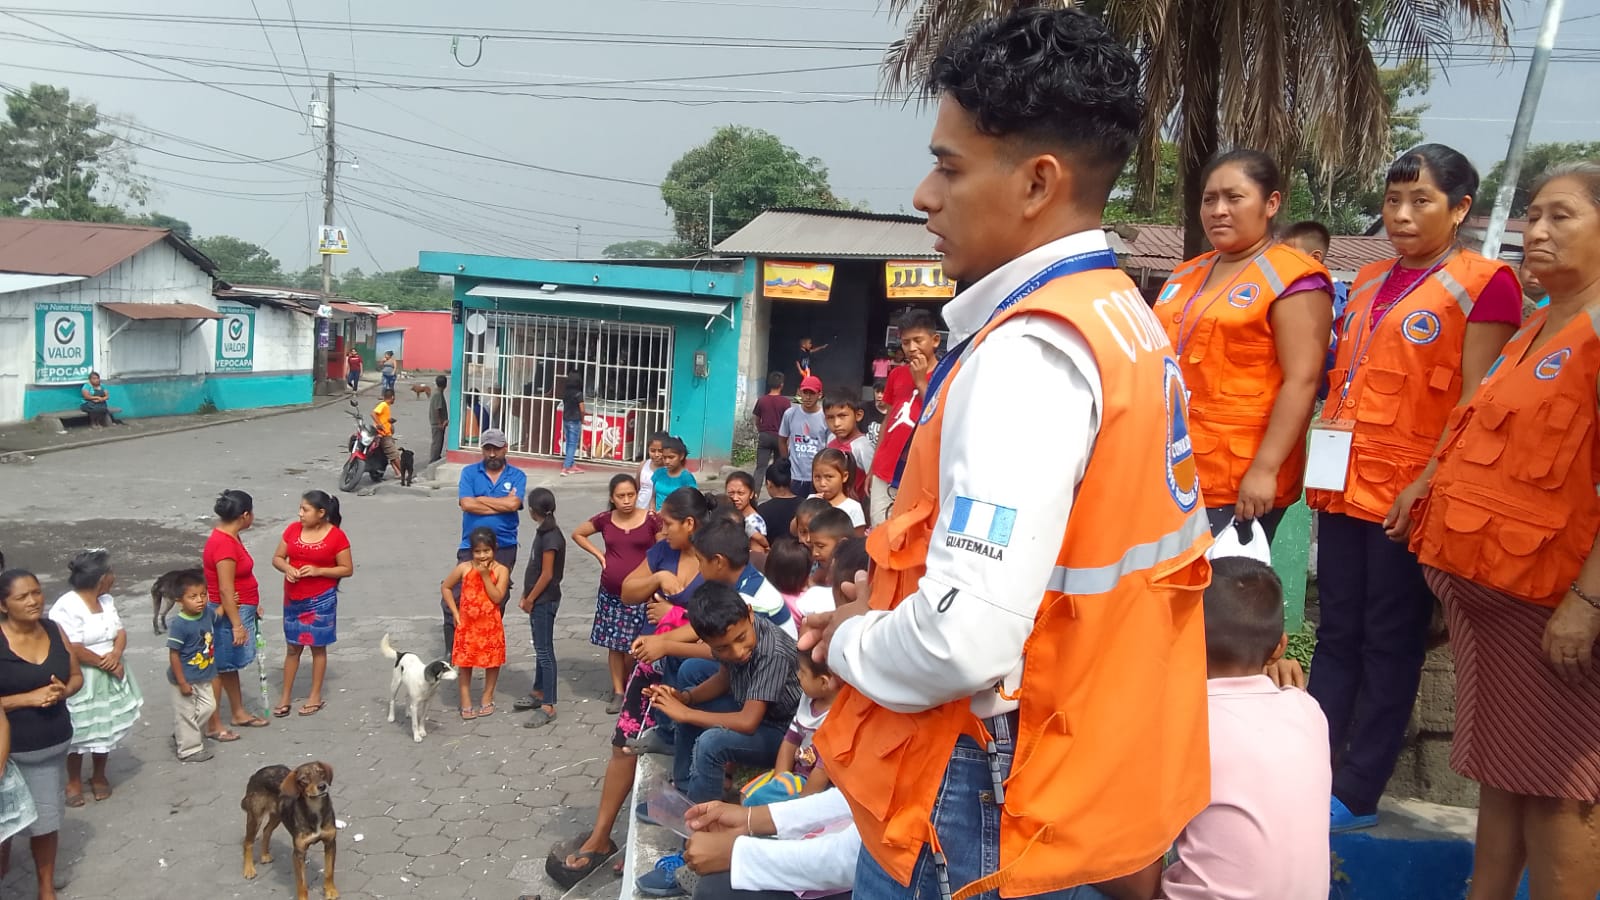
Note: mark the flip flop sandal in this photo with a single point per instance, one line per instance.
(254, 722)
(486, 710)
(279, 712)
(101, 793)
(75, 800)
(224, 736)
(310, 710)
(468, 714)
(555, 865)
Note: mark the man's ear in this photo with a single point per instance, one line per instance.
(1280, 650)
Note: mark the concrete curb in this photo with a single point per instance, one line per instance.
(266, 413)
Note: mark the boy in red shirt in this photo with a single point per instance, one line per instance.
(902, 397)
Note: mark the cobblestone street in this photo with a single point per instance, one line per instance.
(468, 813)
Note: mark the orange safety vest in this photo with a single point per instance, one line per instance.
(1407, 379)
(1110, 759)
(1223, 337)
(1513, 504)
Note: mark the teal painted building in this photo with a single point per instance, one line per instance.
(141, 307)
(655, 344)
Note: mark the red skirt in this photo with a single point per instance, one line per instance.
(1519, 728)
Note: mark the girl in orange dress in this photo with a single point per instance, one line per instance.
(480, 636)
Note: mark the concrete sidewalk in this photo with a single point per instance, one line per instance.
(42, 435)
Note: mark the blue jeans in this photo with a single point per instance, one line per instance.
(709, 750)
(571, 437)
(542, 622)
(968, 826)
(353, 378)
(683, 674)
(388, 382)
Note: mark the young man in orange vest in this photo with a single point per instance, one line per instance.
(1050, 613)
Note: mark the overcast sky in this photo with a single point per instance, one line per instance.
(406, 196)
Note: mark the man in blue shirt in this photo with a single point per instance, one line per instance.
(491, 492)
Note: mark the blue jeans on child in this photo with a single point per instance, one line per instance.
(703, 752)
(968, 826)
(542, 622)
(571, 438)
(683, 674)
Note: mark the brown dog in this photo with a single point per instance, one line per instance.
(418, 391)
(299, 799)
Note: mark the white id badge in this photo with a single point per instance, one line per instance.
(1328, 456)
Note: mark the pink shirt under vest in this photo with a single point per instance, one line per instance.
(1265, 834)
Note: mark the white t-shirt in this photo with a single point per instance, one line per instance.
(647, 485)
(95, 631)
(852, 507)
(815, 599)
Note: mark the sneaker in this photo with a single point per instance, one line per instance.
(1341, 819)
(202, 756)
(576, 470)
(662, 881)
(565, 472)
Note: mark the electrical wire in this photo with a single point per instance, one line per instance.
(268, 35)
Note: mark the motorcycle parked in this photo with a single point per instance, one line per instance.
(366, 455)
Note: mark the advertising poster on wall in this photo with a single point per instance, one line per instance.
(236, 338)
(63, 342)
(797, 281)
(916, 281)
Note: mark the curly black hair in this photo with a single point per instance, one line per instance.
(1052, 78)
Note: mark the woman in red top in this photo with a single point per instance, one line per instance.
(312, 555)
(628, 532)
(231, 586)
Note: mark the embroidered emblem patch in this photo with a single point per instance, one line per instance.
(1183, 478)
(980, 527)
(1245, 294)
(1421, 327)
(1550, 366)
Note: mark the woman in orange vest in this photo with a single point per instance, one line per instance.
(1417, 336)
(1507, 539)
(1249, 324)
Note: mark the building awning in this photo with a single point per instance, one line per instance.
(353, 309)
(12, 282)
(710, 307)
(161, 311)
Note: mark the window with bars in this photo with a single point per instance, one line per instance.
(517, 366)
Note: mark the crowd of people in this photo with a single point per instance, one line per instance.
(852, 665)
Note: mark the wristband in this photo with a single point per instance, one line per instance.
(1587, 598)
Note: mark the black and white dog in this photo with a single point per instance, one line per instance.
(419, 680)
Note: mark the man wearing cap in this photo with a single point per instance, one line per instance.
(491, 495)
(805, 433)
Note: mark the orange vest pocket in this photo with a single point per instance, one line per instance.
(1385, 391)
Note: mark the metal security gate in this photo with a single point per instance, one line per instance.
(517, 366)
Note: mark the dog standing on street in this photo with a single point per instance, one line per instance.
(419, 680)
(298, 798)
(164, 594)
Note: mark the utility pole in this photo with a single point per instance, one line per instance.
(711, 220)
(329, 166)
(1523, 127)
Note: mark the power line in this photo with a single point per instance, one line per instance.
(268, 35)
(298, 39)
(380, 133)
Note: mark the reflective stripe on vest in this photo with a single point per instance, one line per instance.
(1139, 557)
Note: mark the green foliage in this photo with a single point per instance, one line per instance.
(57, 162)
(1538, 159)
(638, 250)
(161, 220)
(1303, 645)
(240, 261)
(1165, 208)
(749, 170)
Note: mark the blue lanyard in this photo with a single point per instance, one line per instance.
(1072, 265)
(1370, 328)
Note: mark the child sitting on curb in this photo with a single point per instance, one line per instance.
(1265, 833)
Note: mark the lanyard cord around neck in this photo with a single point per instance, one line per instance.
(1183, 317)
(1369, 328)
(1072, 265)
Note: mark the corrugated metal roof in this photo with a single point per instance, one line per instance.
(353, 308)
(161, 310)
(11, 283)
(831, 234)
(1159, 248)
(87, 249)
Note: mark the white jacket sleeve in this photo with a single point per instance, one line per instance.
(1028, 395)
(823, 863)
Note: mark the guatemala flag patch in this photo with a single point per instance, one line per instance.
(979, 527)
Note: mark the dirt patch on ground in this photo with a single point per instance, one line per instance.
(140, 550)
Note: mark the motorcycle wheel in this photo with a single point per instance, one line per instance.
(350, 476)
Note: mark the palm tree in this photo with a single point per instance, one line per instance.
(1294, 77)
